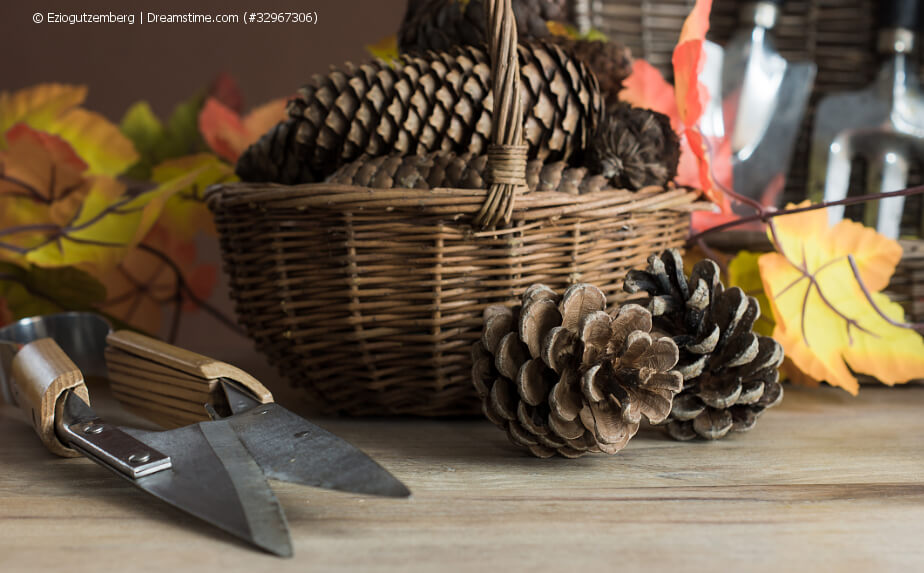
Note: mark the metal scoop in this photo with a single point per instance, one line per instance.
(763, 100)
(883, 124)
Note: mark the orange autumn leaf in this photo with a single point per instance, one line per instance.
(42, 182)
(228, 134)
(646, 87)
(144, 284)
(824, 321)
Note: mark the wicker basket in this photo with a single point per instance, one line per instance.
(371, 299)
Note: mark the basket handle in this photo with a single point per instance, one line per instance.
(506, 168)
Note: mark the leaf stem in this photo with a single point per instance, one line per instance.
(767, 213)
(188, 292)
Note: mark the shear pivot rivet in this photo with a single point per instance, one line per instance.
(139, 458)
(92, 429)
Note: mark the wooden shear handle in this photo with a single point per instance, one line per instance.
(166, 384)
(41, 374)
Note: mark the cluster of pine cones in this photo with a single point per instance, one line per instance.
(561, 375)
(434, 106)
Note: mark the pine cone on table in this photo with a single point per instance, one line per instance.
(464, 171)
(560, 375)
(437, 102)
(730, 373)
(439, 25)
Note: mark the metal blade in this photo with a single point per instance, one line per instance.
(215, 479)
(289, 448)
(768, 160)
(209, 473)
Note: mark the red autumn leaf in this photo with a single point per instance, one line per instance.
(145, 283)
(229, 134)
(684, 104)
(696, 24)
(225, 89)
(691, 95)
(58, 150)
(647, 88)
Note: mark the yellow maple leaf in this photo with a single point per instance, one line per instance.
(37, 105)
(823, 319)
(186, 213)
(385, 49)
(52, 108)
(109, 223)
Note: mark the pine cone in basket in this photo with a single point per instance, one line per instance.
(439, 25)
(610, 62)
(634, 148)
(730, 373)
(459, 171)
(437, 102)
(560, 375)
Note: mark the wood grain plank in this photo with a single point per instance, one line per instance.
(825, 482)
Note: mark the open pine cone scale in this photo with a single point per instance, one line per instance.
(560, 375)
(730, 373)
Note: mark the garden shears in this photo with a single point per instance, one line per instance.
(228, 437)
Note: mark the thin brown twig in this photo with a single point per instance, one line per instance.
(767, 215)
(188, 292)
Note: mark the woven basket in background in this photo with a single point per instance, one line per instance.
(371, 299)
(838, 35)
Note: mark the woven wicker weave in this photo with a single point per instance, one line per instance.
(371, 299)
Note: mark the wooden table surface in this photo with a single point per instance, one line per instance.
(825, 482)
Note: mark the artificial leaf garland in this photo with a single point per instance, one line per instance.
(111, 209)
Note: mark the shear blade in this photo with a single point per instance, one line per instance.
(215, 479)
(291, 449)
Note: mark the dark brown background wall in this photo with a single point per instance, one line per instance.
(166, 63)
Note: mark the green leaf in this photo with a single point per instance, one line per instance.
(182, 134)
(744, 273)
(33, 291)
(146, 131)
(158, 142)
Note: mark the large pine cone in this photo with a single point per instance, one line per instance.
(634, 149)
(730, 373)
(560, 375)
(460, 171)
(439, 25)
(437, 102)
(610, 62)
